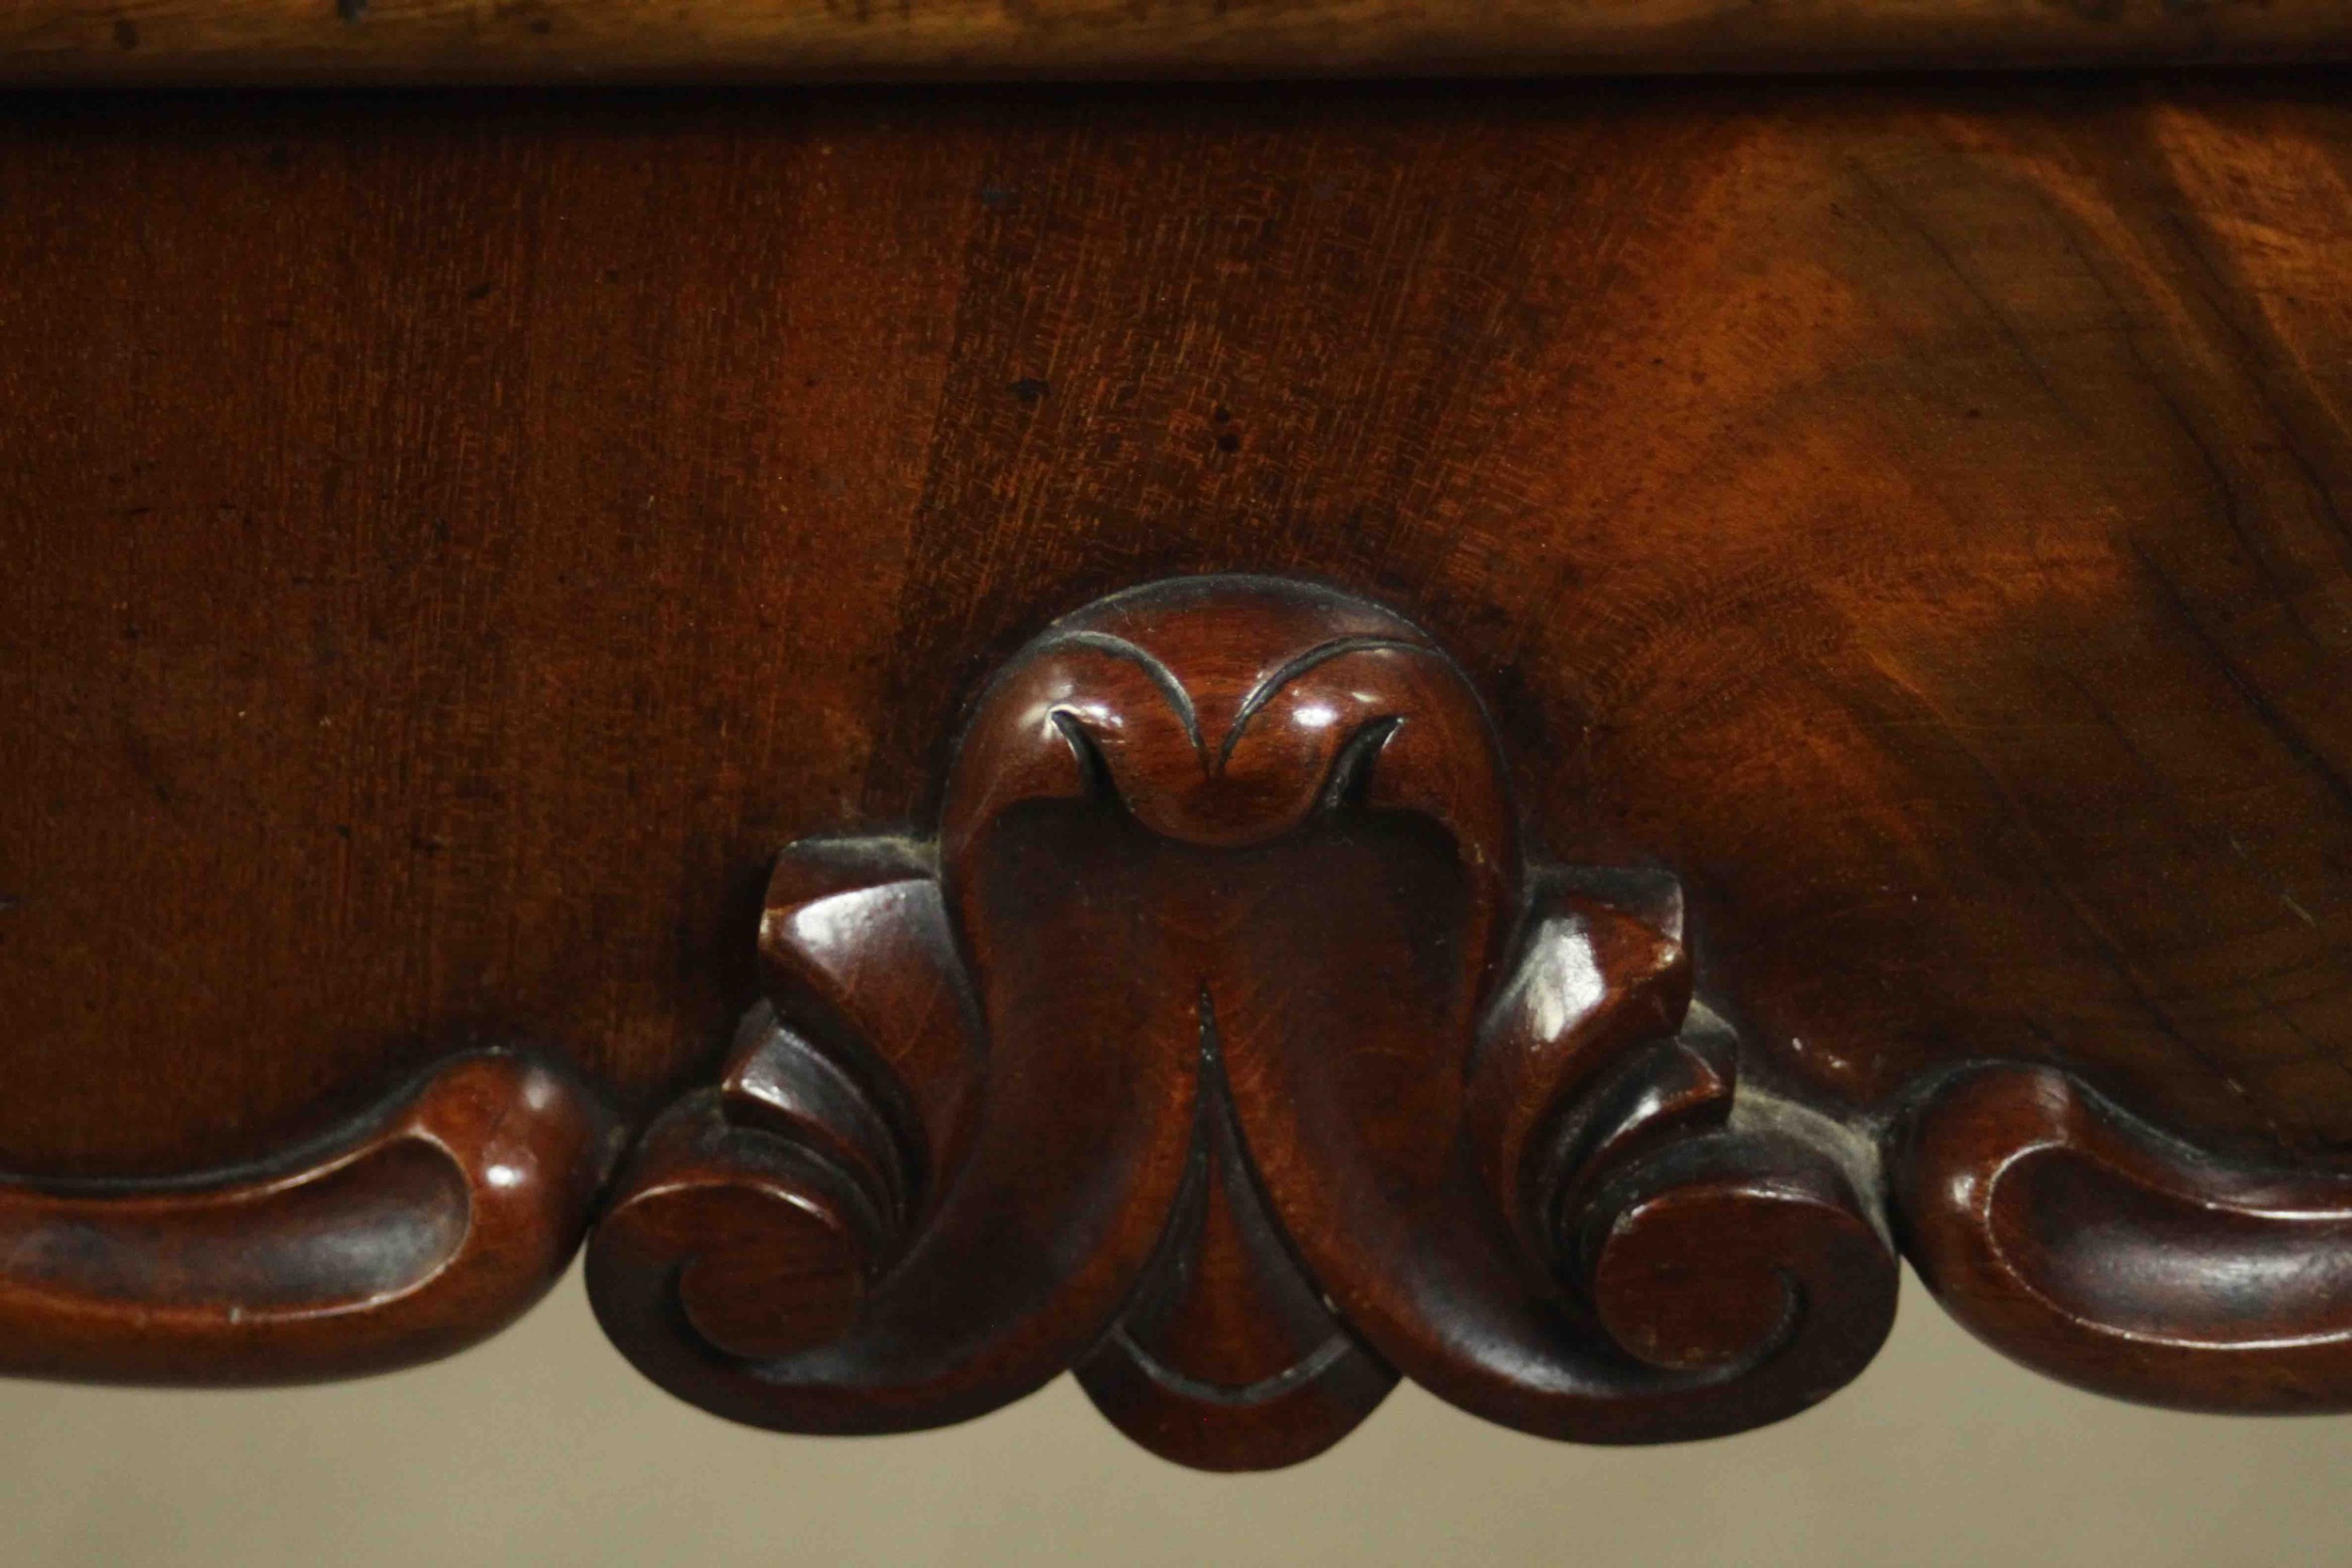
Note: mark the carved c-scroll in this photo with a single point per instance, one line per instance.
(426, 1225)
(2085, 1244)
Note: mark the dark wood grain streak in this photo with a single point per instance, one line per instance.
(427, 1226)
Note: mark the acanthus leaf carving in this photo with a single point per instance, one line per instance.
(1225, 1049)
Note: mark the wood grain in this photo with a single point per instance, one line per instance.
(1910, 513)
(451, 543)
(739, 40)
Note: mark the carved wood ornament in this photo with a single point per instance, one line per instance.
(1224, 1048)
(421, 1227)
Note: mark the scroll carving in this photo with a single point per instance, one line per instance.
(1223, 1048)
(424, 1226)
(2087, 1245)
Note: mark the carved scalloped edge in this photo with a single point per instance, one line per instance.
(2094, 1247)
(418, 1227)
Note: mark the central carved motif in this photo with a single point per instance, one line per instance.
(1223, 1048)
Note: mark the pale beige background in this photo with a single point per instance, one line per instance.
(544, 1448)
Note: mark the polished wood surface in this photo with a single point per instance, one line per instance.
(425, 1227)
(1250, 960)
(2090, 1247)
(571, 41)
(453, 543)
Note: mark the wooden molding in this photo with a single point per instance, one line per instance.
(572, 40)
(2090, 1247)
(1224, 1049)
(424, 1226)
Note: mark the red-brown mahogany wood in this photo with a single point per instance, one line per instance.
(1231, 1055)
(247, 41)
(424, 1227)
(1904, 508)
(2088, 1245)
(1911, 510)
